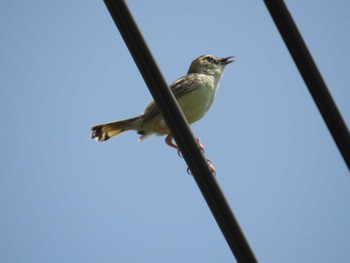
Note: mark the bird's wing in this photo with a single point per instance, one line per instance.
(179, 88)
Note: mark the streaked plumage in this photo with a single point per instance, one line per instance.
(194, 92)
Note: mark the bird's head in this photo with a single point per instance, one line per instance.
(209, 65)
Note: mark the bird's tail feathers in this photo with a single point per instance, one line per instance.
(102, 132)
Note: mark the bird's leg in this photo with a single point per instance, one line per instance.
(169, 141)
(201, 148)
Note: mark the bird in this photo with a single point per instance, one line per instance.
(194, 92)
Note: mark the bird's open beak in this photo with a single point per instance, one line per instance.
(227, 60)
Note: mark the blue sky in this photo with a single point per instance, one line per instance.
(66, 198)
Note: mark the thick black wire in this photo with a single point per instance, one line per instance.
(180, 130)
(311, 76)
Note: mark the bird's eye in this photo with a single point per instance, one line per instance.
(210, 58)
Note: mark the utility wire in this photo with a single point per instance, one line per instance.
(180, 130)
(311, 75)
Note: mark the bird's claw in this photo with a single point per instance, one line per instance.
(200, 146)
(211, 168)
(168, 141)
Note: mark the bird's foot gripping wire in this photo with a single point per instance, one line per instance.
(168, 141)
(201, 148)
(211, 168)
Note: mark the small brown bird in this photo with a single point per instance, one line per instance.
(194, 92)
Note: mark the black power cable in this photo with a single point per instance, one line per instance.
(180, 130)
(311, 76)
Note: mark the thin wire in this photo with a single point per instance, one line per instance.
(311, 75)
(180, 130)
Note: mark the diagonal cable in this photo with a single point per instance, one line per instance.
(180, 130)
(311, 75)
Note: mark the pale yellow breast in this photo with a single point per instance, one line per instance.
(194, 104)
(197, 102)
